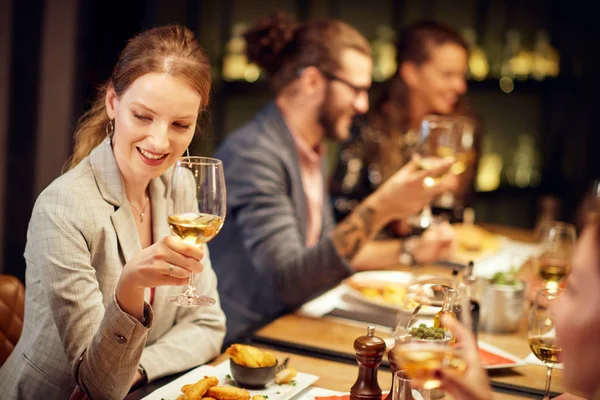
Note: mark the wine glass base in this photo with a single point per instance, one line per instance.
(186, 300)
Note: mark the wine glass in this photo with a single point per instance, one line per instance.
(542, 333)
(554, 262)
(442, 137)
(196, 212)
(427, 346)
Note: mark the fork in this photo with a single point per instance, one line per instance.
(283, 365)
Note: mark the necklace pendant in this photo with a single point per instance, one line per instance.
(141, 217)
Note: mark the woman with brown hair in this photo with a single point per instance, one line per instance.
(430, 79)
(100, 258)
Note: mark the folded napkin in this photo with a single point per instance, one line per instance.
(512, 254)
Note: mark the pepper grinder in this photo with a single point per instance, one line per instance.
(369, 353)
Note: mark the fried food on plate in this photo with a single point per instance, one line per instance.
(259, 397)
(285, 375)
(473, 238)
(195, 391)
(228, 393)
(250, 356)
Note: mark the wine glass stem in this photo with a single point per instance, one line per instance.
(548, 380)
(191, 289)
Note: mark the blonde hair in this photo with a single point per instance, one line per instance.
(169, 49)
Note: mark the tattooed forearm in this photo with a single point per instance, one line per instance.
(353, 232)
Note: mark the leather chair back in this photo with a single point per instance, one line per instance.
(12, 301)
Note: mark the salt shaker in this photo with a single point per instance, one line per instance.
(369, 353)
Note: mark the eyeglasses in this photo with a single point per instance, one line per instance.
(357, 89)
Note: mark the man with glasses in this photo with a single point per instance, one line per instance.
(279, 245)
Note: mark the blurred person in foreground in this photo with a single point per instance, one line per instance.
(577, 322)
(279, 245)
(100, 258)
(432, 63)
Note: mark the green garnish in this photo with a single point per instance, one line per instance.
(505, 278)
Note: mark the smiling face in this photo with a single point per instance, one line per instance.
(155, 120)
(578, 317)
(348, 96)
(438, 83)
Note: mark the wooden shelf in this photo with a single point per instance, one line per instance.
(530, 85)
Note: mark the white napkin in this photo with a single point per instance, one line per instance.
(512, 254)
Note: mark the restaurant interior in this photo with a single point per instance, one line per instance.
(530, 81)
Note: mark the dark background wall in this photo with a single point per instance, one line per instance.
(53, 58)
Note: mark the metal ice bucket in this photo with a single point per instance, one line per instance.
(501, 306)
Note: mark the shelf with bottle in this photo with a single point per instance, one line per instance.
(261, 86)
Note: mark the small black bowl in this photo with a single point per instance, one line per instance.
(252, 378)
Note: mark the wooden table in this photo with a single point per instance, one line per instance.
(326, 336)
(332, 375)
(324, 347)
(333, 338)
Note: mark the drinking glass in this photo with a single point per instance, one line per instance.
(554, 262)
(196, 212)
(542, 333)
(401, 389)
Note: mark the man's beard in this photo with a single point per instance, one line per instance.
(328, 119)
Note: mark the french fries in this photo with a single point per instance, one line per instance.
(250, 356)
(228, 393)
(207, 389)
(195, 391)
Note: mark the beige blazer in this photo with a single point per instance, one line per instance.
(80, 236)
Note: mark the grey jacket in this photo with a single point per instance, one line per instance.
(262, 263)
(81, 234)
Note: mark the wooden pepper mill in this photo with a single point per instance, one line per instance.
(395, 368)
(369, 353)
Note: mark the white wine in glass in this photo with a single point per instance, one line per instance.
(554, 262)
(542, 333)
(196, 212)
(420, 355)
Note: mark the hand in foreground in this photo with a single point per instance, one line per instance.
(473, 384)
(437, 243)
(168, 262)
(405, 193)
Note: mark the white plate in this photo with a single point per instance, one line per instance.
(274, 391)
(510, 360)
(382, 277)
